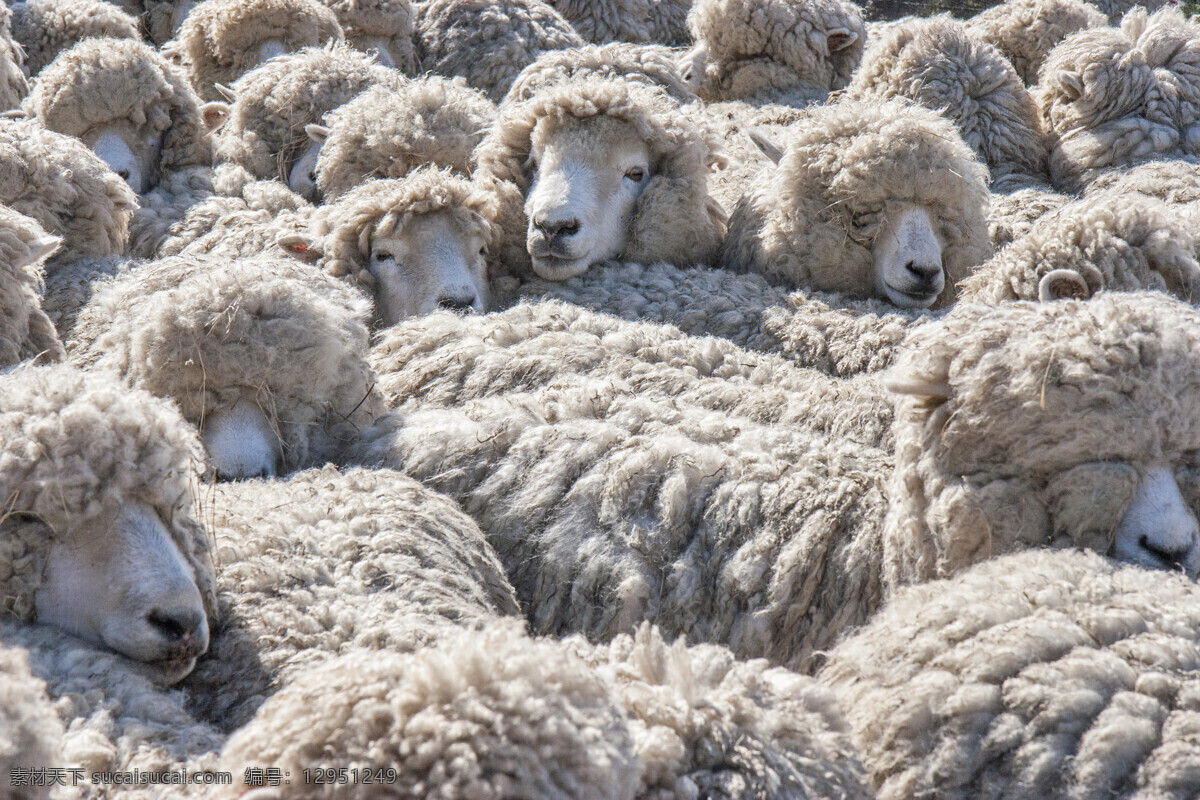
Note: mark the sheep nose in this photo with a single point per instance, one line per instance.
(556, 228)
(1170, 555)
(925, 273)
(177, 625)
(123, 174)
(457, 303)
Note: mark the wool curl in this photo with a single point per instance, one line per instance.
(1113, 97)
(774, 49)
(13, 83)
(209, 332)
(327, 561)
(26, 332)
(390, 20)
(650, 64)
(45, 28)
(1030, 423)
(63, 185)
(29, 729)
(640, 21)
(487, 42)
(384, 133)
(938, 63)
(1017, 205)
(77, 446)
(1025, 31)
(265, 127)
(1112, 242)
(811, 223)
(217, 42)
(1033, 675)
(674, 220)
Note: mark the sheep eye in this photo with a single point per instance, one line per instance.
(382, 256)
(863, 219)
(636, 174)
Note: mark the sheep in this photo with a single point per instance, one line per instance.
(881, 199)
(773, 50)
(661, 21)
(265, 356)
(1032, 675)
(416, 244)
(328, 561)
(1109, 242)
(487, 43)
(649, 64)
(383, 133)
(1116, 9)
(595, 169)
(1014, 212)
(29, 729)
(383, 28)
(939, 64)
(137, 112)
(26, 333)
(547, 719)
(1174, 180)
(221, 40)
(1111, 98)
(1025, 31)
(101, 537)
(733, 514)
(45, 28)
(13, 84)
(264, 132)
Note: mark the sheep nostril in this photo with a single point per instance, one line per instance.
(568, 227)
(176, 624)
(123, 174)
(457, 303)
(924, 272)
(1170, 557)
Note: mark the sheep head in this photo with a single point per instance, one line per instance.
(1047, 424)
(99, 528)
(600, 169)
(383, 28)
(879, 199)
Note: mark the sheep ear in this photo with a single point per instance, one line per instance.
(764, 143)
(14, 113)
(214, 114)
(916, 385)
(1072, 86)
(229, 94)
(39, 248)
(1063, 284)
(299, 247)
(839, 39)
(318, 133)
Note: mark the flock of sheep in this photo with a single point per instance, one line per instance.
(599, 399)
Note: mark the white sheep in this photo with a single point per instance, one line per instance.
(602, 21)
(45, 28)
(1025, 31)
(651, 64)
(382, 28)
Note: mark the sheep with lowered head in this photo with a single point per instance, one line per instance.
(385, 133)
(416, 243)
(1025, 31)
(383, 28)
(649, 64)
(221, 40)
(773, 51)
(1034, 675)
(614, 497)
(882, 199)
(265, 356)
(25, 331)
(487, 42)
(45, 28)
(597, 169)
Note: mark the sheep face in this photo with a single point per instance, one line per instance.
(240, 443)
(433, 262)
(302, 177)
(129, 588)
(588, 175)
(1029, 424)
(133, 153)
(907, 255)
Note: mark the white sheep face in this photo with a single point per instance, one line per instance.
(432, 263)
(241, 443)
(378, 46)
(907, 256)
(587, 178)
(302, 178)
(1158, 529)
(133, 154)
(130, 589)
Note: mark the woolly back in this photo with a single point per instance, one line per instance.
(77, 445)
(265, 126)
(777, 44)
(1034, 675)
(45, 28)
(1025, 31)
(25, 330)
(812, 221)
(383, 19)
(602, 21)
(1029, 424)
(1113, 241)
(208, 333)
(653, 65)
(218, 41)
(383, 208)
(937, 63)
(1173, 180)
(384, 133)
(107, 80)
(62, 184)
(674, 220)
(487, 43)
(1114, 97)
